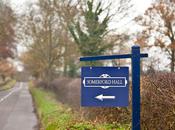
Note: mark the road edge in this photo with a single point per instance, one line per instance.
(38, 125)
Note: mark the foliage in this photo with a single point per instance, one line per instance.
(6, 69)
(9, 84)
(7, 39)
(158, 28)
(49, 42)
(29, 59)
(90, 41)
(67, 10)
(7, 33)
(44, 53)
(51, 113)
(56, 116)
(72, 72)
(45, 29)
(157, 102)
(70, 90)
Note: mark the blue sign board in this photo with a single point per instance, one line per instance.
(104, 86)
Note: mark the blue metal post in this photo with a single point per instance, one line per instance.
(135, 87)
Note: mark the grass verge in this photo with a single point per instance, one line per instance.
(55, 116)
(8, 85)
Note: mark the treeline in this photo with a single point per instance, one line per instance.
(56, 33)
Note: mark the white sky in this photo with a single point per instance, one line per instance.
(139, 7)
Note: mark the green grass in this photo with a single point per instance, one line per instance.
(56, 116)
(8, 85)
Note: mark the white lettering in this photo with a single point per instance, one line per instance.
(117, 81)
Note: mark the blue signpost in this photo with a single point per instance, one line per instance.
(135, 57)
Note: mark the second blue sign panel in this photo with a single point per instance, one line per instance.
(105, 86)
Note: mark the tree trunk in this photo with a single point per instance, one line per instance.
(48, 77)
(65, 69)
(172, 60)
(3, 78)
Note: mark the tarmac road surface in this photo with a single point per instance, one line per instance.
(16, 109)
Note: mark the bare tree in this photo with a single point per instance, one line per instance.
(47, 39)
(159, 28)
(7, 39)
(44, 30)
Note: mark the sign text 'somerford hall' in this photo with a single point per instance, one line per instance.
(112, 81)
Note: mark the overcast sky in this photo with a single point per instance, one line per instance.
(140, 5)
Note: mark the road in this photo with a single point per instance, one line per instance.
(16, 109)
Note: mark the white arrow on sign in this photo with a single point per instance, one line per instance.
(102, 97)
